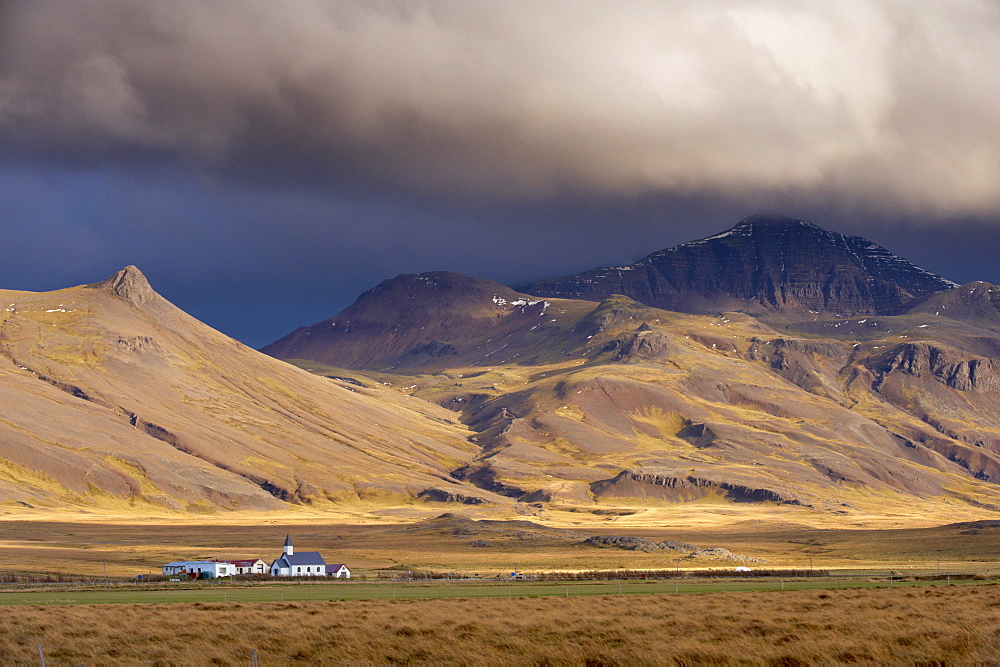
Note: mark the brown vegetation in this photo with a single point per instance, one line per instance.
(115, 400)
(441, 544)
(118, 402)
(953, 624)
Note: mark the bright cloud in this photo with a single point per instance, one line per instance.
(889, 103)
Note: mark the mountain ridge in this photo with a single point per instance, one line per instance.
(762, 265)
(447, 388)
(114, 397)
(418, 315)
(617, 400)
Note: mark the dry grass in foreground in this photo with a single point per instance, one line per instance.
(959, 624)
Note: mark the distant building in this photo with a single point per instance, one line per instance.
(289, 564)
(338, 571)
(195, 568)
(251, 566)
(302, 564)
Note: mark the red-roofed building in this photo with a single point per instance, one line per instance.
(250, 566)
(338, 571)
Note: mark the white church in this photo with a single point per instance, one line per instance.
(305, 564)
(289, 564)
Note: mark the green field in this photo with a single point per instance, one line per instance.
(226, 592)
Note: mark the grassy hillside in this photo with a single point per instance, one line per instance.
(115, 399)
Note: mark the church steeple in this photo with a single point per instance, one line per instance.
(289, 549)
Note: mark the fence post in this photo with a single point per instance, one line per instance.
(253, 657)
(41, 654)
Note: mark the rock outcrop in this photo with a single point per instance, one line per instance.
(130, 285)
(955, 368)
(639, 544)
(669, 484)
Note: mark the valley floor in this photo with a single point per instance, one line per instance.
(431, 538)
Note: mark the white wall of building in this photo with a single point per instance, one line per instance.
(196, 567)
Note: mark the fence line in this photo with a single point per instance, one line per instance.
(471, 589)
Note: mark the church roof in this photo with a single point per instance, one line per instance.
(301, 558)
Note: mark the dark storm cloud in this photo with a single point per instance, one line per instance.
(264, 162)
(890, 104)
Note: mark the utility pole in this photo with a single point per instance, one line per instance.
(105, 571)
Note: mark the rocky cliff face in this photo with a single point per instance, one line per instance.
(763, 264)
(955, 368)
(669, 484)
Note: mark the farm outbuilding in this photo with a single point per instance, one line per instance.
(250, 566)
(199, 569)
(338, 571)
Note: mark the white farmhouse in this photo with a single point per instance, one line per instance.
(195, 568)
(338, 571)
(249, 566)
(303, 564)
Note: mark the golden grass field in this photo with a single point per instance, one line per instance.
(412, 538)
(942, 625)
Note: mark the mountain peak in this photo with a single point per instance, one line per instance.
(765, 263)
(760, 225)
(130, 285)
(771, 220)
(412, 314)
